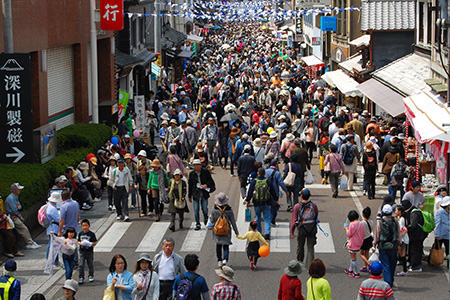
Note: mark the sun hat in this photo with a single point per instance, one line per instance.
(156, 163)
(221, 199)
(290, 137)
(83, 166)
(445, 201)
(387, 209)
(93, 160)
(234, 132)
(164, 122)
(178, 172)
(245, 136)
(142, 153)
(247, 147)
(128, 155)
(441, 188)
(54, 198)
(273, 135)
(197, 162)
(127, 136)
(71, 284)
(226, 272)
(294, 268)
(376, 268)
(144, 256)
(112, 157)
(173, 121)
(257, 142)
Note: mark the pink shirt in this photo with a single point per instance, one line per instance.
(355, 235)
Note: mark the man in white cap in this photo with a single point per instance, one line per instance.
(225, 289)
(12, 208)
(9, 286)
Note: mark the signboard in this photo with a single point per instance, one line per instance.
(299, 25)
(195, 48)
(123, 103)
(45, 142)
(16, 117)
(299, 37)
(278, 35)
(139, 108)
(328, 23)
(111, 14)
(290, 42)
(156, 69)
(315, 41)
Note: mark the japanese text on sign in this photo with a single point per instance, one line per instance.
(111, 14)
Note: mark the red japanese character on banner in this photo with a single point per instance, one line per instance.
(111, 14)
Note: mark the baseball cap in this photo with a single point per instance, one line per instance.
(16, 186)
(10, 265)
(387, 209)
(376, 268)
(305, 192)
(121, 160)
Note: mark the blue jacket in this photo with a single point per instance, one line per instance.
(53, 217)
(237, 146)
(441, 230)
(11, 204)
(127, 281)
(14, 290)
(245, 165)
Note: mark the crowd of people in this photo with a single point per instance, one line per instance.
(253, 109)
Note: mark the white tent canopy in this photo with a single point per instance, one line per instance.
(312, 60)
(343, 82)
(427, 112)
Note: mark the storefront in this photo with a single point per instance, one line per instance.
(314, 66)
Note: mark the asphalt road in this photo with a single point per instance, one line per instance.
(145, 235)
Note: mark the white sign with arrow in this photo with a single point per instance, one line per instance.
(19, 154)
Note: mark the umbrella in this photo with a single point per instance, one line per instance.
(225, 47)
(215, 27)
(285, 75)
(229, 117)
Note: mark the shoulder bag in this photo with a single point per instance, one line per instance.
(289, 180)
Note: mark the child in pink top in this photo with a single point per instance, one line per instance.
(355, 238)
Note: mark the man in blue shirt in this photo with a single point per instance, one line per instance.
(12, 208)
(199, 286)
(69, 212)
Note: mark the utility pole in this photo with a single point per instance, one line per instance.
(157, 29)
(94, 66)
(8, 40)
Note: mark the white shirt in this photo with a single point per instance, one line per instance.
(166, 268)
(121, 175)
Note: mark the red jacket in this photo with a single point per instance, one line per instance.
(290, 288)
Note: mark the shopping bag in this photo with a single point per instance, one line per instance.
(373, 255)
(436, 255)
(343, 185)
(309, 178)
(109, 293)
(248, 215)
(209, 224)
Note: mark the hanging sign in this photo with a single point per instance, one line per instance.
(111, 14)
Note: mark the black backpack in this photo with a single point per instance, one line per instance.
(348, 155)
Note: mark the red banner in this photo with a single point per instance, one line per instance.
(111, 14)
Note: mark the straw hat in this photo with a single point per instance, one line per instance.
(290, 137)
(234, 132)
(83, 166)
(155, 163)
(128, 155)
(257, 142)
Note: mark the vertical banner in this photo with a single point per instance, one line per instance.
(111, 14)
(123, 103)
(139, 108)
(16, 117)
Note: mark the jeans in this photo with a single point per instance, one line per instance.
(69, 263)
(204, 204)
(121, 201)
(388, 259)
(266, 210)
(274, 212)
(212, 157)
(226, 252)
(86, 257)
(292, 199)
(393, 192)
(310, 242)
(389, 183)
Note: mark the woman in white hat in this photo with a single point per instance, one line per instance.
(146, 280)
(177, 199)
(158, 182)
(223, 239)
(70, 288)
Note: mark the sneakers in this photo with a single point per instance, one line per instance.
(114, 208)
(110, 208)
(219, 263)
(119, 218)
(18, 253)
(197, 227)
(289, 208)
(355, 275)
(252, 266)
(402, 273)
(267, 236)
(347, 271)
(33, 246)
(274, 225)
(363, 270)
(91, 278)
(418, 270)
(10, 255)
(81, 281)
(224, 262)
(351, 273)
(126, 219)
(132, 206)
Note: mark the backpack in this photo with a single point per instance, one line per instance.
(370, 162)
(185, 288)
(221, 227)
(348, 155)
(205, 93)
(399, 172)
(388, 234)
(262, 190)
(306, 219)
(42, 216)
(428, 221)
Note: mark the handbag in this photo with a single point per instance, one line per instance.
(248, 215)
(9, 223)
(309, 178)
(289, 180)
(109, 293)
(436, 254)
(374, 256)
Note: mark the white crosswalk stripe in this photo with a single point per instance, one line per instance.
(280, 240)
(324, 244)
(152, 239)
(194, 239)
(112, 237)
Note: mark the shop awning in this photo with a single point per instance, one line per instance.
(363, 40)
(146, 57)
(383, 96)
(427, 113)
(126, 60)
(185, 54)
(344, 83)
(354, 62)
(194, 38)
(312, 60)
(174, 36)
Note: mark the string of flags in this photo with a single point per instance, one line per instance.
(239, 11)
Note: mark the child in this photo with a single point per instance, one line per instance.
(355, 238)
(177, 199)
(86, 240)
(402, 223)
(253, 236)
(368, 239)
(68, 251)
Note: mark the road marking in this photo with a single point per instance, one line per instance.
(279, 238)
(237, 244)
(318, 186)
(153, 237)
(357, 202)
(324, 244)
(112, 237)
(194, 239)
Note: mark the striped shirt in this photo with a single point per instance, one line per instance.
(375, 288)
